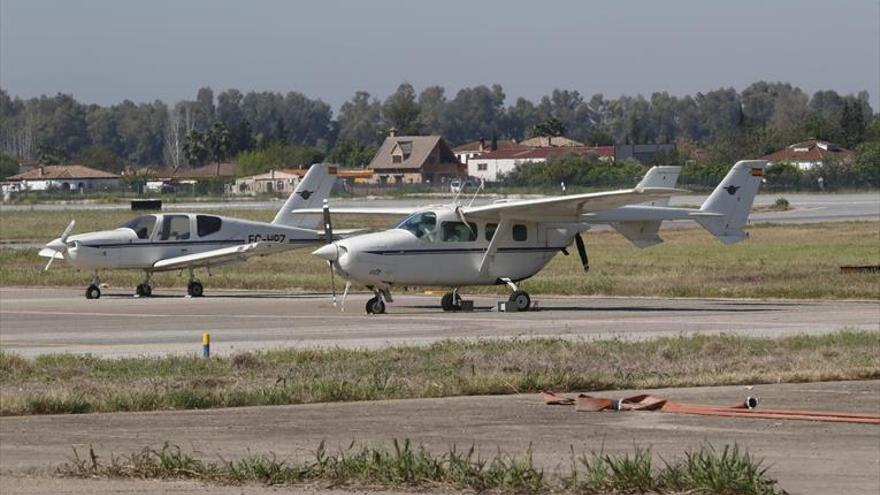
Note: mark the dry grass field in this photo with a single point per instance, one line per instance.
(779, 261)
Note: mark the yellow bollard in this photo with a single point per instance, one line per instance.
(206, 345)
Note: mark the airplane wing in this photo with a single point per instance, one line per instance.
(401, 211)
(568, 208)
(220, 256)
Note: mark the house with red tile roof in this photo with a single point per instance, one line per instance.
(63, 178)
(807, 154)
(492, 165)
(474, 149)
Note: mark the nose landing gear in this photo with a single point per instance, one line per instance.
(376, 304)
(93, 291)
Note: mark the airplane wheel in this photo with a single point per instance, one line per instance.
(520, 300)
(93, 292)
(446, 302)
(148, 291)
(195, 289)
(451, 302)
(375, 306)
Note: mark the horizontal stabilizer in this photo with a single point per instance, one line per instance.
(642, 234)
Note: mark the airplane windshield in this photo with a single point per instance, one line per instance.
(142, 226)
(420, 224)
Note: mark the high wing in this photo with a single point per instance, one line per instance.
(567, 208)
(402, 211)
(220, 256)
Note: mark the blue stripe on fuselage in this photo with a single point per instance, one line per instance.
(190, 243)
(394, 252)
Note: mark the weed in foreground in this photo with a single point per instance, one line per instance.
(706, 471)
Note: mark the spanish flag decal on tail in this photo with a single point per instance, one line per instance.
(757, 172)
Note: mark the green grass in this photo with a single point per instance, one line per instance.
(778, 261)
(64, 383)
(706, 471)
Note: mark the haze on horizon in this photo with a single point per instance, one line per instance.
(105, 51)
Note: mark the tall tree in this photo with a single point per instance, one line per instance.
(432, 110)
(401, 110)
(360, 119)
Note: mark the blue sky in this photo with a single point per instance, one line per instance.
(104, 51)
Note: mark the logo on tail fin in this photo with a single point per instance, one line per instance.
(732, 189)
(307, 194)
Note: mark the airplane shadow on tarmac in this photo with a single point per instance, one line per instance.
(624, 309)
(234, 295)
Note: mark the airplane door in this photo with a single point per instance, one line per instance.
(174, 235)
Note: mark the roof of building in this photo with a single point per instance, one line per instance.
(810, 150)
(287, 173)
(415, 150)
(551, 141)
(542, 153)
(483, 145)
(62, 172)
(212, 171)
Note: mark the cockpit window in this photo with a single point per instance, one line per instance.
(142, 226)
(420, 224)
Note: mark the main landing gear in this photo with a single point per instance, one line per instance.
(93, 291)
(144, 289)
(194, 288)
(519, 300)
(451, 301)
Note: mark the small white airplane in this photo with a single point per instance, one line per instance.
(510, 241)
(178, 241)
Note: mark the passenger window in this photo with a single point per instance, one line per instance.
(490, 230)
(420, 224)
(206, 225)
(459, 232)
(520, 232)
(175, 228)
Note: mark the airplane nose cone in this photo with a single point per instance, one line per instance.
(57, 245)
(328, 252)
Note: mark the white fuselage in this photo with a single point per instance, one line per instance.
(449, 255)
(141, 245)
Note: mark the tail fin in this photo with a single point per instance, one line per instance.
(733, 199)
(311, 192)
(660, 176)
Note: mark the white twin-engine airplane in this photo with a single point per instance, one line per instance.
(178, 241)
(509, 241)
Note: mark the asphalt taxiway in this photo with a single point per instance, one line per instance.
(806, 457)
(44, 320)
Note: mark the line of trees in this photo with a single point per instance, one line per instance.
(726, 123)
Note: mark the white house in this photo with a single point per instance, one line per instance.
(281, 182)
(492, 165)
(76, 178)
(808, 154)
(474, 149)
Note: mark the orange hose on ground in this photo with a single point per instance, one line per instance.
(587, 403)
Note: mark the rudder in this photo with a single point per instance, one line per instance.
(733, 199)
(311, 192)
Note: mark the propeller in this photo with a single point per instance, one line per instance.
(59, 245)
(582, 251)
(328, 234)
